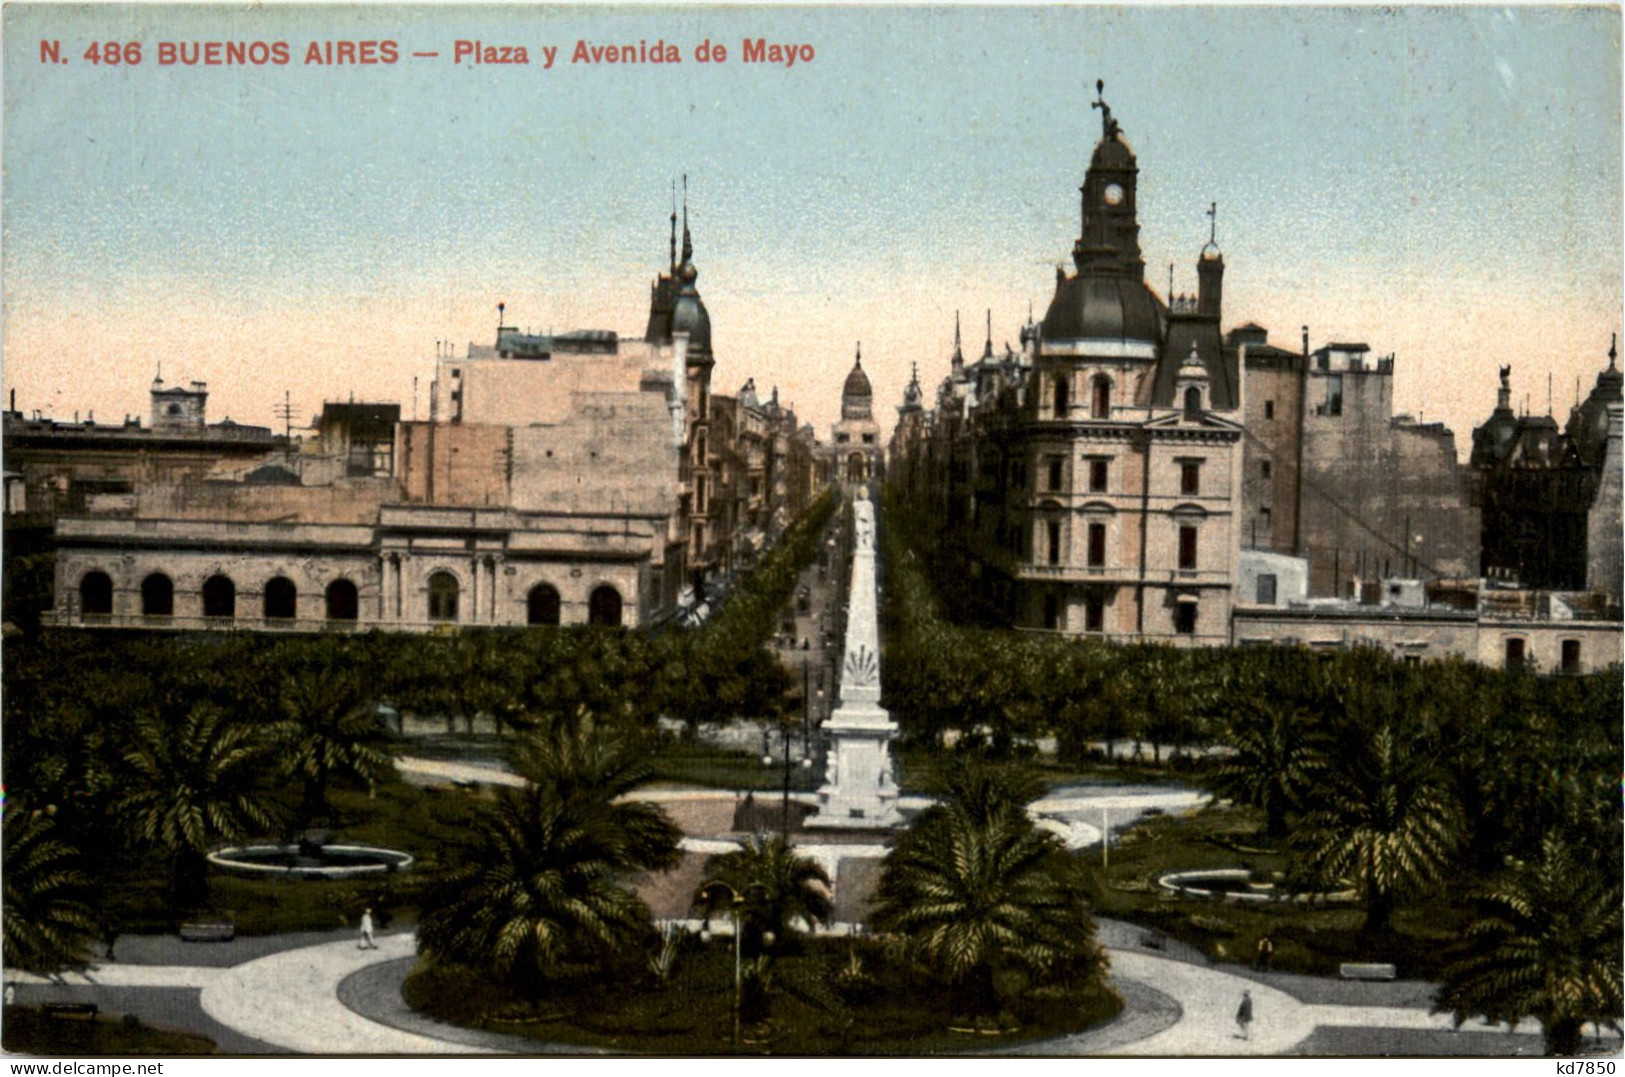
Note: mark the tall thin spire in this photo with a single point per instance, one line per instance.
(959, 355)
(674, 225)
(688, 242)
(1213, 224)
(1613, 349)
(987, 349)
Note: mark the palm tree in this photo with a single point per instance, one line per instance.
(1547, 946)
(780, 887)
(329, 726)
(1383, 820)
(543, 898)
(1275, 762)
(48, 922)
(977, 893)
(192, 783)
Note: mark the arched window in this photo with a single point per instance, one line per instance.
(1063, 396)
(604, 607)
(443, 590)
(157, 596)
(219, 597)
(343, 604)
(281, 599)
(96, 594)
(1193, 403)
(542, 607)
(854, 468)
(1100, 397)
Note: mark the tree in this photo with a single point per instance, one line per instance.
(1547, 946)
(780, 887)
(329, 725)
(1275, 762)
(193, 781)
(48, 922)
(1384, 821)
(978, 891)
(543, 899)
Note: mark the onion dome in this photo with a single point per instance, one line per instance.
(688, 313)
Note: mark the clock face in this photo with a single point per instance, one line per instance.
(1114, 195)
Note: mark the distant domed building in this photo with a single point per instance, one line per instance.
(855, 450)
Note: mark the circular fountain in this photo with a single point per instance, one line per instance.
(1239, 885)
(314, 856)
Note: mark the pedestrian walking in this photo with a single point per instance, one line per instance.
(366, 942)
(1266, 951)
(1244, 1014)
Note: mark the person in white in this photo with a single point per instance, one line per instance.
(366, 942)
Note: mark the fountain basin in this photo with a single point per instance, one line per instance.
(299, 862)
(1237, 885)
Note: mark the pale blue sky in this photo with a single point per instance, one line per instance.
(1442, 183)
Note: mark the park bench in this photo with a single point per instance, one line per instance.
(209, 931)
(70, 1011)
(1351, 970)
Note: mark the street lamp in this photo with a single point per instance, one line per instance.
(711, 894)
(806, 764)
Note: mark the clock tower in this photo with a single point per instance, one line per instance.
(1110, 237)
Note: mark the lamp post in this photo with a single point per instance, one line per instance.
(735, 903)
(767, 761)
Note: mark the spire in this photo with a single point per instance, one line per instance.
(1212, 227)
(987, 349)
(1108, 126)
(959, 355)
(688, 242)
(860, 353)
(1613, 349)
(674, 226)
(158, 377)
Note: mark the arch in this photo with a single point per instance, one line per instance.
(1193, 403)
(219, 596)
(443, 594)
(158, 596)
(1063, 396)
(604, 606)
(542, 605)
(96, 594)
(1100, 397)
(343, 601)
(281, 599)
(855, 468)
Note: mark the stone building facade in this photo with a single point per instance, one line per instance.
(855, 454)
(1096, 473)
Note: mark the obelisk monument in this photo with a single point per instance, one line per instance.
(860, 791)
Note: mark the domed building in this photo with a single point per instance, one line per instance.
(855, 454)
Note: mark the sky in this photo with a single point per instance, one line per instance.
(1440, 183)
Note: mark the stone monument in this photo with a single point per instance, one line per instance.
(860, 790)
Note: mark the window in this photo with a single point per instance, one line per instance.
(842, 439)
(1413, 660)
(1514, 654)
(699, 449)
(699, 494)
(1097, 476)
(542, 606)
(96, 594)
(868, 439)
(1264, 468)
(1571, 656)
(1266, 589)
(1334, 395)
(281, 599)
(1052, 611)
(1063, 395)
(443, 593)
(1097, 545)
(1053, 529)
(1185, 617)
(219, 597)
(343, 602)
(1055, 473)
(1269, 409)
(1193, 404)
(1100, 398)
(1187, 548)
(1190, 477)
(1094, 613)
(157, 596)
(604, 607)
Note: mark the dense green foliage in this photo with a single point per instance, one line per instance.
(776, 887)
(48, 921)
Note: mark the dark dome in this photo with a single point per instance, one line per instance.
(857, 383)
(688, 315)
(1112, 152)
(1104, 307)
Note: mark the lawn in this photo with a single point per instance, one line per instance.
(833, 997)
(1307, 939)
(29, 1030)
